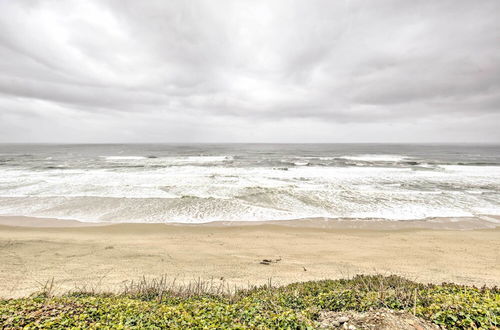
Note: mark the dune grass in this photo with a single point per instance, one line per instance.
(161, 304)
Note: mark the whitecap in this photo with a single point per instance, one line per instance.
(207, 159)
(375, 158)
(123, 157)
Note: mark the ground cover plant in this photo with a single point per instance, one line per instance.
(156, 304)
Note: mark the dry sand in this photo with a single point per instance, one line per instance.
(77, 255)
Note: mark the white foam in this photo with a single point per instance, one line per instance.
(123, 157)
(468, 170)
(375, 158)
(203, 193)
(207, 159)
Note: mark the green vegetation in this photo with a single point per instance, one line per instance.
(154, 304)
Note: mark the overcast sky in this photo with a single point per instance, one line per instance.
(249, 71)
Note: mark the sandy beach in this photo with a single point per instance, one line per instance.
(105, 257)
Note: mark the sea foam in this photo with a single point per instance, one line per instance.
(203, 185)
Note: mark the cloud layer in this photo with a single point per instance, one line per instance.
(249, 71)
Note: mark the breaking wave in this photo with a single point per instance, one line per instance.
(204, 184)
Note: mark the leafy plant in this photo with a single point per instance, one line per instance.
(157, 304)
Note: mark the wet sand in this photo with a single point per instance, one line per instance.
(105, 257)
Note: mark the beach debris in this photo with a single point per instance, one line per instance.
(305, 269)
(270, 261)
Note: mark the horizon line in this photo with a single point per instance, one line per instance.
(144, 143)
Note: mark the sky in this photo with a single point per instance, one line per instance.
(118, 71)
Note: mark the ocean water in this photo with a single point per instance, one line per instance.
(198, 183)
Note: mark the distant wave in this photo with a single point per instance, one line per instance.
(174, 160)
(376, 158)
(204, 159)
(124, 157)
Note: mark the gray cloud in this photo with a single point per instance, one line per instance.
(285, 71)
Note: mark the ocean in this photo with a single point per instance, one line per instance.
(197, 183)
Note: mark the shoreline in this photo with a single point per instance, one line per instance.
(106, 257)
(433, 223)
